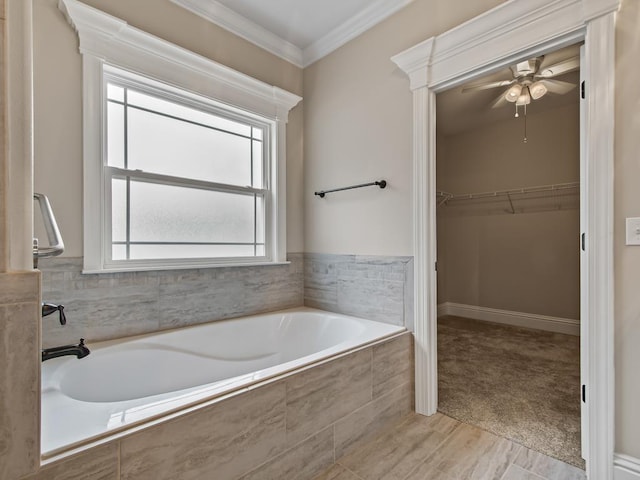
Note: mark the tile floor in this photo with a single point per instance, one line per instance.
(441, 448)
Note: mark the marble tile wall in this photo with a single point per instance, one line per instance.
(19, 373)
(290, 429)
(112, 305)
(3, 161)
(374, 287)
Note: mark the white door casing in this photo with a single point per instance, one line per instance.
(513, 31)
(584, 278)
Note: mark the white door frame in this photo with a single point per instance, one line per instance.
(510, 32)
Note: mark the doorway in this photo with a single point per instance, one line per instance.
(511, 32)
(508, 277)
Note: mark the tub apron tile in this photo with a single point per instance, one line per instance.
(320, 396)
(301, 462)
(222, 441)
(99, 463)
(392, 364)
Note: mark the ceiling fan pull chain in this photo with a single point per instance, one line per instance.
(517, 115)
(525, 123)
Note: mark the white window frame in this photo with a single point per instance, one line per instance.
(116, 76)
(106, 40)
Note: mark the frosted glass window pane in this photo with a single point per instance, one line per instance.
(115, 135)
(169, 108)
(259, 250)
(163, 145)
(115, 92)
(257, 164)
(260, 219)
(119, 252)
(164, 213)
(118, 210)
(141, 252)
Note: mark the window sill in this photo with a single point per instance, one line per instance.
(202, 266)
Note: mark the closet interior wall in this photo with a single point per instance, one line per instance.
(527, 261)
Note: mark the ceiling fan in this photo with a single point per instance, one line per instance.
(531, 81)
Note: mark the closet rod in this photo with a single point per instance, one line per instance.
(498, 193)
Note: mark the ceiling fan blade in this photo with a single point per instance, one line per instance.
(487, 86)
(501, 101)
(568, 65)
(557, 86)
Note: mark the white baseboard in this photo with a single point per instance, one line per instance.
(625, 467)
(518, 319)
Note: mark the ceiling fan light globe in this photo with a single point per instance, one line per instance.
(538, 90)
(513, 93)
(524, 99)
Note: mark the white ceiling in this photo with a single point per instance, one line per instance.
(300, 31)
(296, 21)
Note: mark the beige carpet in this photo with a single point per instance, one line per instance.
(517, 383)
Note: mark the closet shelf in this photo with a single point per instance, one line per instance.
(519, 200)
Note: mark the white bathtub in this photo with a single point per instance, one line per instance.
(132, 381)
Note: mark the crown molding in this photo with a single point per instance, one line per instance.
(237, 24)
(596, 8)
(373, 14)
(112, 40)
(415, 63)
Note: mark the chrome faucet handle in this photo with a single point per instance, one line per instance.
(49, 308)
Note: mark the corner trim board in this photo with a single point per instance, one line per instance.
(507, 317)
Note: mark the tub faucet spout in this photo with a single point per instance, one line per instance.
(79, 350)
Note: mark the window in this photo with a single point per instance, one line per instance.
(184, 158)
(186, 178)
